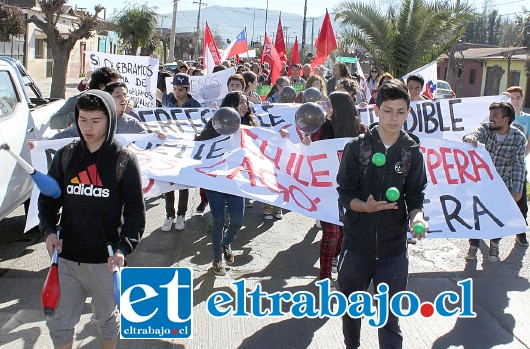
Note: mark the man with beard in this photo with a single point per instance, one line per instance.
(506, 145)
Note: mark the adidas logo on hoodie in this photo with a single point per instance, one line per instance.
(87, 183)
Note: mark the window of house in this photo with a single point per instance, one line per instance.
(472, 76)
(515, 77)
(13, 48)
(39, 48)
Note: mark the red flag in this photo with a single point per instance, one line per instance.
(326, 41)
(295, 56)
(279, 43)
(210, 54)
(270, 55)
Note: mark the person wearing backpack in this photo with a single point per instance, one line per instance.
(102, 203)
(375, 230)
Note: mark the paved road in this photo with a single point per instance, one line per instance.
(281, 255)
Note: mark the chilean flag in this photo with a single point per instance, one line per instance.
(430, 75)
(236, 47)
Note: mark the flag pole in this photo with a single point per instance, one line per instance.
(248, 58)
(266, 15)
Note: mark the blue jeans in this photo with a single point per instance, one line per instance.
(236, 209)
(356, 272)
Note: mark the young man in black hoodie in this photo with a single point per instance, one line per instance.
(99, 206)
(375, 240)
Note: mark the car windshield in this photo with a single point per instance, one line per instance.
(444, 85)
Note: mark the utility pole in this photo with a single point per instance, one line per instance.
(302, 48)
(173, 33)
(312, 33)
(162, 24)
(253, 22)
(200, 3)
(164, 43)
(266, 16)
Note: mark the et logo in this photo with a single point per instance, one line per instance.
(156, 303)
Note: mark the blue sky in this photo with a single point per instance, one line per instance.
(315, 8)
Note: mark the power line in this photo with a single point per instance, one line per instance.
(500, 15)
(501, 4)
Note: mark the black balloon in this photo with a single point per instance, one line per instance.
(312, 94)
(226, 121)
(288, 94)
(309, 117)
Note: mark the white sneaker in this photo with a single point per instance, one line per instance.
(334, 264)
(167, 224)
(317, 224)
(179, 224)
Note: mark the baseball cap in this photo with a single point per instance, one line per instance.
(181, 79)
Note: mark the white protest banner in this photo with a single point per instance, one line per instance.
(465, 196)
(207, 89)
(443, 119)
(186, 122)
(140, 73)
(41, 156)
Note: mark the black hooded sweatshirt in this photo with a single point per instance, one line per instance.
(96, 209)
(380, 234)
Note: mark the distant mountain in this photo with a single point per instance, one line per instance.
(230, 21)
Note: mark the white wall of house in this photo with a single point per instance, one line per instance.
(37, 61)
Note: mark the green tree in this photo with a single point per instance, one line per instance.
(62, 44)
(522, 27)
(403, 39)
(508, 33)
(12, 22)
(137, 27)
(484, 28)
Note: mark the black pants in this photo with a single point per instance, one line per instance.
(356, 272)
(170, 203)
(523, 206)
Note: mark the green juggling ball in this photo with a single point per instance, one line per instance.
(418, 228)
(378, 159)
(392, 194)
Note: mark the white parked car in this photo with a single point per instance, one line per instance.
(23, 115)
(444, 90)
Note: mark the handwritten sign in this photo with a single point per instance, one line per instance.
(207, 89)
(140, 73)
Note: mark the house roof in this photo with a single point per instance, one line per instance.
(485, 53)
(515, 57)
